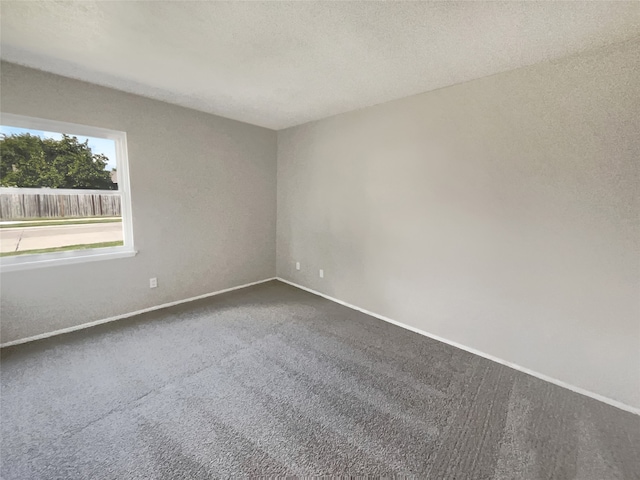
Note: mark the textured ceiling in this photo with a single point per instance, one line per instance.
(278, 64)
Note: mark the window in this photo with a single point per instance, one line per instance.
(64, 193)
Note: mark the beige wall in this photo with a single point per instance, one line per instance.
(501, 213)
(203, 192)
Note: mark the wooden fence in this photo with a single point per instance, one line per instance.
(24, 203)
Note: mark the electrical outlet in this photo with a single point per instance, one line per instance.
(321, 273)
(153, 282)
(297, 265)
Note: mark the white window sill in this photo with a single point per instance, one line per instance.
(56, 259)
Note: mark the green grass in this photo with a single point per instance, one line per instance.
(66, 248)
(49, 223)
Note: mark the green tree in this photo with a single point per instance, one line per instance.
(29, 161)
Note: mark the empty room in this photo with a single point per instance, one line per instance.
(320, 239)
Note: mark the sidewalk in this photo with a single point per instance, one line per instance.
(54, 236)
(59, 220)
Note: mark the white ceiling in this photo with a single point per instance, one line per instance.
(278, 64)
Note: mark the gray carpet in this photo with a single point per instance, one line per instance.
(274, 381)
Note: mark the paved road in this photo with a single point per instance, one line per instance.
(30, 238)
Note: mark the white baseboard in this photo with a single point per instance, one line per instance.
(560, 383)
(541, 376)
(127, 315)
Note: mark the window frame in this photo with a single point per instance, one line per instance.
(26, 262)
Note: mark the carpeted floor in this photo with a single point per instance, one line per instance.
(274, 381)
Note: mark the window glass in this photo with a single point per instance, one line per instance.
(60, 191)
